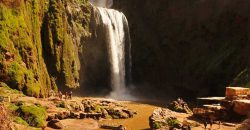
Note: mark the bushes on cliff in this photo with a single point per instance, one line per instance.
(62, 30)
(23, 79)
(34, 33)
(19, 120)
(242, 79)
(16, 74)
(20, 38)
(5, 90)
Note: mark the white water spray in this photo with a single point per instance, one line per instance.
(115, 28)
(102, 3)
(113, 22)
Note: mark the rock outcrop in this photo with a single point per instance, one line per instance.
(40, 44)
(87, 108)
(55, 124)
(241, 107)
(233, 93)
(180, 106)
(164, 119)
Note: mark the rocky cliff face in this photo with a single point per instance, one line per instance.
(40, 41)
(192, 47)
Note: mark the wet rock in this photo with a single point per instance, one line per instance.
(107, 109)
(117, 113)
(55, 124)
(129, 112)
(96, 116)
(82, 115)
(121, 127)
(111, 127)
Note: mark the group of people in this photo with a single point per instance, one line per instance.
(210, 122)
(67, 95)
(181, 102)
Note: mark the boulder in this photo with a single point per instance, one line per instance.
(62, 115)
(51, 116)
(55, 124)
(74, 115)
(241, 107)
(74, 106)
(107, 109)
(234, 92)
(121, 127)
(111, 127)
(245, 125)
(179, 106)
(163, 119)
(105, 114)
(117, 113)
(211, 113)
(129, 112)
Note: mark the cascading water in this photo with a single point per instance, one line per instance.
(115, 27)
(102, 3)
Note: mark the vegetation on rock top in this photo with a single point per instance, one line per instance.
(34, 115)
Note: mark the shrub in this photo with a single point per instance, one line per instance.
(13, 107)
(97, 109)
(19, 120)
(173, 122)
(156, 125)
(34, 115)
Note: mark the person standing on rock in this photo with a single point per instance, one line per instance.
(70, 95)
(66, 95)
(211, 123)
(60, 95)
(205, 125)
(121, 127)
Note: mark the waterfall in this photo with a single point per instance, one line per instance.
(102, 3)
(115, 28)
